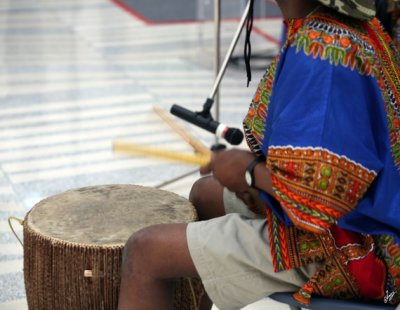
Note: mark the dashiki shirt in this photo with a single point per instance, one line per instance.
(326, 116)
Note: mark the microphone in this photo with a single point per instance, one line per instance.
(232, 135)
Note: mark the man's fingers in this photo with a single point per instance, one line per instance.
(208, 167)
(205, 169)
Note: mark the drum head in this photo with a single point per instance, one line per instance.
(107, 214)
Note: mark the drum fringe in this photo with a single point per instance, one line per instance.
(196, 304)
(20, 221)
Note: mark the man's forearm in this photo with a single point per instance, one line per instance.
(263, 179)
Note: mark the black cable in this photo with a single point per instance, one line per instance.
(247, 44)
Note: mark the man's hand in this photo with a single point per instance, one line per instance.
(229, 167)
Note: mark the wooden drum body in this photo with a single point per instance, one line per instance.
(73, 244)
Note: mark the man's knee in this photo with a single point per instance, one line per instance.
(153, 252)
(207, 197)
(199, 188)
(139, 246)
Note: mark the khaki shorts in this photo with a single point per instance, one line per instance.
(232, 256)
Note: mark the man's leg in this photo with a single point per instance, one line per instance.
(207, 197)
(157, 254)
(152, 258)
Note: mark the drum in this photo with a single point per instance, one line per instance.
(73, 244)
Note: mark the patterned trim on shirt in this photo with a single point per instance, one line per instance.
(292, 247)
(254, 123)
(314, 186)
(329, 39)
(333, 279)
(279, 238)
(389, 82)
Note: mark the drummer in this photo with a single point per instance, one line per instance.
(324, 133)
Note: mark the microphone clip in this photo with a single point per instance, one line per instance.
(206, 112)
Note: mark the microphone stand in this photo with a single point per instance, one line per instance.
(210, 99)
(217, 44)
(214, 92)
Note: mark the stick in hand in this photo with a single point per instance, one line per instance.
(134, 149)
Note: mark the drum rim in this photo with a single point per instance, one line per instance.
(118, 245)
(54, 241)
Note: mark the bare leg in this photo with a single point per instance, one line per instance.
(207, 197)
(152, 258)
(156, 255)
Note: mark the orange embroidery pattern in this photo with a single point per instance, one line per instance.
(292, 247)
(316, 187)
(278, 236)
(309, 248)
(255, 121)
(320, 38)
(389, 82)
(333, 278)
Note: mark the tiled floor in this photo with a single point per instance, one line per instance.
(76, 75)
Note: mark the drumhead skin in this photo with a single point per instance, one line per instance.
(107, 214)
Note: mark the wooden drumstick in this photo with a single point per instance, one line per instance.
(131, 148)
(195, 143)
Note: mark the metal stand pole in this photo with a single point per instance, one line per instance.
(217, 46)
(180, 177)
(230, 52)
(219, 71)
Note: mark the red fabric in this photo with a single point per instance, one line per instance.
(370, 272)
(343, 236)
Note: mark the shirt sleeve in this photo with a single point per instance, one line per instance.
(323, 139)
